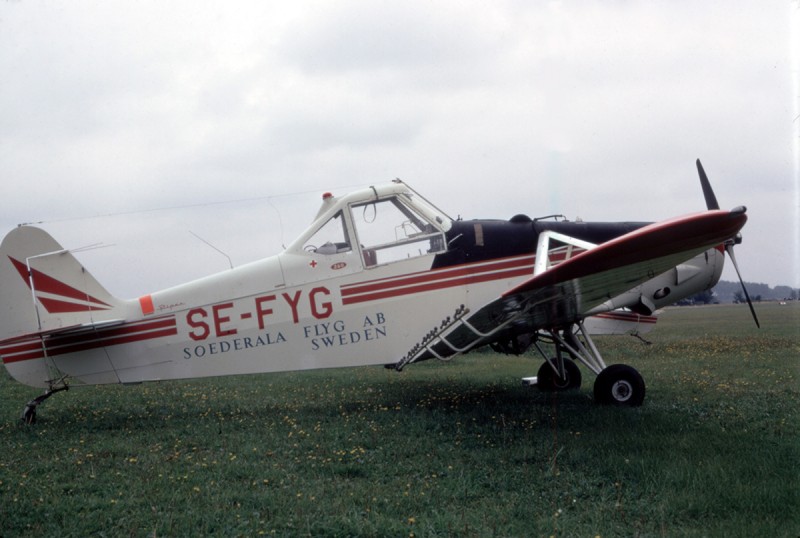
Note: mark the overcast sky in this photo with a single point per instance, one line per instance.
(137, 124)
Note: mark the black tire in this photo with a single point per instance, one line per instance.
(548, 380)
(620, 385)
(29, 416)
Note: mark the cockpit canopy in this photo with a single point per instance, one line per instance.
(385, 224)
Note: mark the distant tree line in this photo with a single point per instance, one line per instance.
(731, 292)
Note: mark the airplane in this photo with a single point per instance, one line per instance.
(382, 276)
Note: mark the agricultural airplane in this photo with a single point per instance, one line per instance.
(381, 276)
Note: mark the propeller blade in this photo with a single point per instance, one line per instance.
(729, 250)
(708, 192)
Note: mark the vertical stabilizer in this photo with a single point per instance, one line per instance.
(43, 287)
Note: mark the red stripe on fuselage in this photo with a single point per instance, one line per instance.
(624, 316)
(437, 279)
(61, 344)
(436, 274)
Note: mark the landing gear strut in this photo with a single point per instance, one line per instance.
(618, 384)
(29, 413)
(550, 380)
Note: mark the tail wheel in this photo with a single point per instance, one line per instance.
(621, 385)
(547, 379)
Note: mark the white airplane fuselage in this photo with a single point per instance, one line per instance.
(363, 300)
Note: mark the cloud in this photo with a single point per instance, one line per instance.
(396, 39)
(594, 109)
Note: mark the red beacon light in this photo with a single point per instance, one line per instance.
(326, 196)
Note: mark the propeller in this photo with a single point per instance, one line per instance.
(708, 192)
(711, 203)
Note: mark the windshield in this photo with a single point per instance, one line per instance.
(389, 230)
(331, 238)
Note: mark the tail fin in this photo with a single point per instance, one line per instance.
(43, 287)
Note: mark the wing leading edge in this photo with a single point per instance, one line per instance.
(565, 293)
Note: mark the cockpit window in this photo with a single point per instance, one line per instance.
(389, 230)
(331, 238)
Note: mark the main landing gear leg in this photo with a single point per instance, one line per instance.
(618, 384)
(557, 373)
(29, 413)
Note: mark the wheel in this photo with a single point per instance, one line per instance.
(549, 380)
(29, 415)
(619, 384)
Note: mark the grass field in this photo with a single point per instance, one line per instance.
(456, 449)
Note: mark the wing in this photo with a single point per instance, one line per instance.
(565, 293)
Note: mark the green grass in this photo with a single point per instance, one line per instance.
(456, 449)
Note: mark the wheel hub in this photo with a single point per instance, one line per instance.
(622, 390)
